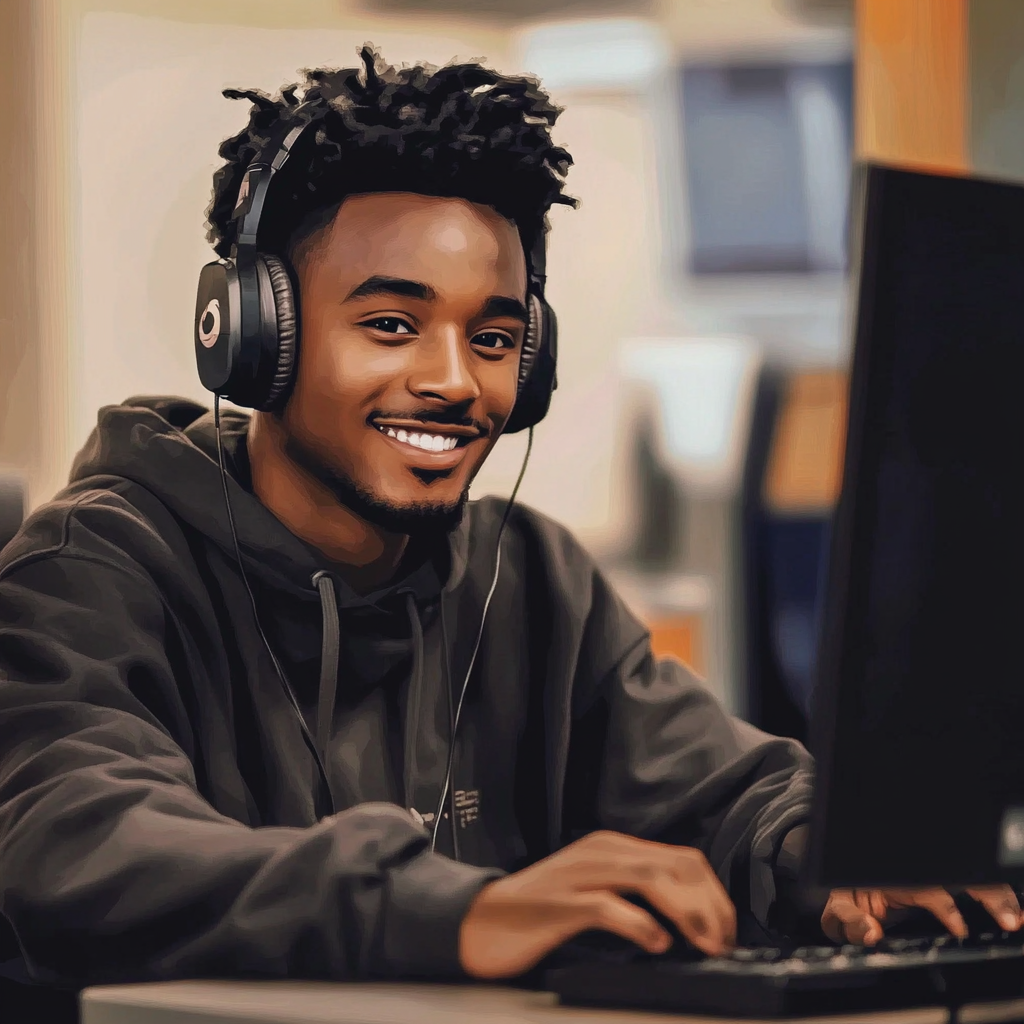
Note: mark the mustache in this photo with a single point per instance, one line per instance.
(437, 417)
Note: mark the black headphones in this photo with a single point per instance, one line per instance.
(247, 326)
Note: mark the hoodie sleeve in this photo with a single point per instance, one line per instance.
(654, 754)
(112, 865)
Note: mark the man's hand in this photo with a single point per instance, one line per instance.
(516, 921)
(856, 915)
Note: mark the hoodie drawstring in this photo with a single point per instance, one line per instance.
(329, 654)
(414, 713)
(417, 641)
(328, 660)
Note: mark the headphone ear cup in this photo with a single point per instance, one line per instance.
(283, 303)
(536, 368)
(531, 343)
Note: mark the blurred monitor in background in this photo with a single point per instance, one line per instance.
(767, 155)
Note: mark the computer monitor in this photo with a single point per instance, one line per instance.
(918, 718)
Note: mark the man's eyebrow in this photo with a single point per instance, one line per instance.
(502, 305)
(380, 285)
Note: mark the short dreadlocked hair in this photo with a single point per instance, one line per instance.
(461, 131)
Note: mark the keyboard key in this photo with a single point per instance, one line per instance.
(746, 955)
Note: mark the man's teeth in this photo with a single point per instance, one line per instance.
(428, 442)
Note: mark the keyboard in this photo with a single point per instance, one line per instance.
(898, 973)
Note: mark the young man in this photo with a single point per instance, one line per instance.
(205, 770)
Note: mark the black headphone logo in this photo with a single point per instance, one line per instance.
(246, 325)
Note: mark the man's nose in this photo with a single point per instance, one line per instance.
(444, 367)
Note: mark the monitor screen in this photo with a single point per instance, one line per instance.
(767, 156)
(920, 705)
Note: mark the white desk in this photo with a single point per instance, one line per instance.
(287, 1002)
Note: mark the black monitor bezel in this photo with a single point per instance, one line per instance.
(871, 182)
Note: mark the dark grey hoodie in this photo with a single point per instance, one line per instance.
(162, 813)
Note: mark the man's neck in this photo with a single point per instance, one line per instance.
(363, 554)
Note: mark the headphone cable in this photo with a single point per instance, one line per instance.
(472, 660)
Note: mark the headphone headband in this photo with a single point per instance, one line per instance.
(252, 193)
(538, 262)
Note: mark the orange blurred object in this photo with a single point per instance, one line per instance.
(679, 636)
(912, 105)
(805, 468)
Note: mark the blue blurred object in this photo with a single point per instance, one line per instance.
(796, 552)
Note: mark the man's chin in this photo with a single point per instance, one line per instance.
(408, 517)
(405, 515)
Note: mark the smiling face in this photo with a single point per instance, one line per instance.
(412, 321)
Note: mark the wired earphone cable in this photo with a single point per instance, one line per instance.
(476, 648)
(306, 734)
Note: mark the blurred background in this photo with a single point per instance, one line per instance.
(695, 442)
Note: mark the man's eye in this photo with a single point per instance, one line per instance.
(388, 325)
(493, 340)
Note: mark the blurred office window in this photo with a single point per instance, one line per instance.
(701, 389)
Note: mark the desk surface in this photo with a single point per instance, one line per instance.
(287, 1002)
